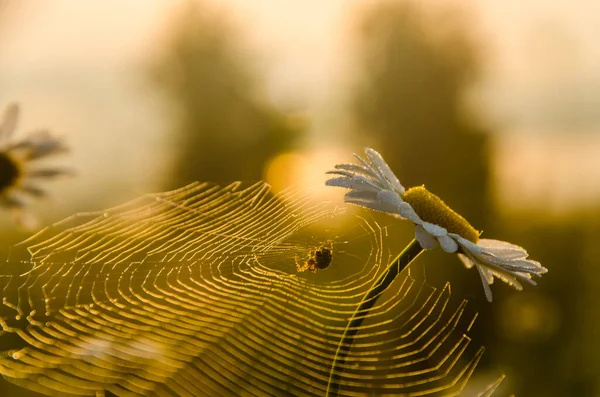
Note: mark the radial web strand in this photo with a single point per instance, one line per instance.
(198, 292)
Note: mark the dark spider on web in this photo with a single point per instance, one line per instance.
(319, 260)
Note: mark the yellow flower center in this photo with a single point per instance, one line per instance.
(9, 171)
(432, 209)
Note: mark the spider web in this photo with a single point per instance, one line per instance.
(196, 292)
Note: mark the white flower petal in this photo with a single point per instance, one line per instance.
(357, 169)
(468, 262)
(487, 274)
(523, 265)
(13, 199)
(43, 145)
(10, 117)
(378, 161)
(348, 174)
(503, 249)
(372, 200)
(367, 165)
(365, 195)
(508, 278)
(362, 198)
(448, 244)
(499, 259)
(406, 211)
(529, 264)
(467, 245)
(33, 190)
(48, 172)
(435, 230)
(369, 205)
(373, 185)
(353, 183)
(491, 243)
(486, 286)
(525, 277)
(426, 240)
(390, 197)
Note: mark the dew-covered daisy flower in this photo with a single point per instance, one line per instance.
(373, 185)
(18, 176)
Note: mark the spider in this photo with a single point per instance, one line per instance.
(319, 260)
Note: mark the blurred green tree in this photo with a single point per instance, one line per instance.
(415, 68)
(225, 130)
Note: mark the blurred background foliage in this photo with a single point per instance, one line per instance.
(225, 129)
(412, 73)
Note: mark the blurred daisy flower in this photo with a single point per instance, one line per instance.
(373, 185)
(18, 179)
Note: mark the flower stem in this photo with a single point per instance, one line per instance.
(379, 286)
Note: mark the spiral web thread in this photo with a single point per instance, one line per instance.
(195, 292)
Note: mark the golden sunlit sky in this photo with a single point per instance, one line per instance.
(78, 67)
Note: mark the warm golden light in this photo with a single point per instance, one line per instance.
(283, 170)
(305, 169)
